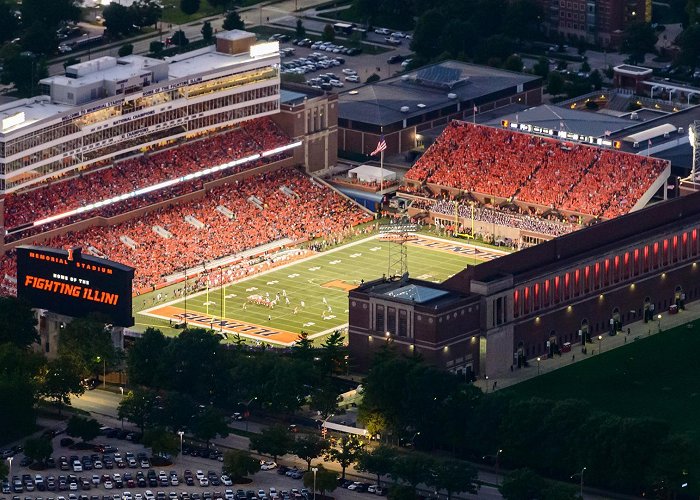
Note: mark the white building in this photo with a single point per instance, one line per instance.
(106, 108)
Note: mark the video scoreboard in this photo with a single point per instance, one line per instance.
(68, 282)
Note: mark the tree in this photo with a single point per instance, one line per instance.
(208, 424)
(180, 39)
(555, 83)
(39, 39)
(4, 469)
(125, 50)
(17, 320)
(379, 461)
(326, 480)
(59, 379)
(454, 476)
(137, 407)
(324, 398)
(189, 7)
(328, 34)
(146, 360)
(400, 492)
(513, 63)
(333, 354)
(595, 79)
(84, 428)
(300, 30)
(155, 48)
(373, 421)
(38, 449)
(233, 21)
(638, 39)
(689, 43)
(9, 22)
(521, 484)
(346, 452)
(308, 447)
(541, 68)
(412, 469)
(161, 442)
(303, 348)
(49, 12)
(89, 342)
(24, 70)
(585, 67)
(207, 31)
(428, 34)
(146, 12)
(373, 78)
(238, 464)
(119, 20)
(273, 441)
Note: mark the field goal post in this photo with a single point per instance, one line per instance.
(397, 235)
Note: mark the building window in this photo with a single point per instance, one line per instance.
(403, 323)
(379, 318)
(391, 319)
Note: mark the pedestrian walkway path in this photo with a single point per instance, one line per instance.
(602, 343)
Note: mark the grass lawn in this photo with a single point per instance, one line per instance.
(172, 13)
(311, 280)
(655, 376)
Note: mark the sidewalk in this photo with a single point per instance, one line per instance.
(638, 330)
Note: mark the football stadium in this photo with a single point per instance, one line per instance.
(201, 176)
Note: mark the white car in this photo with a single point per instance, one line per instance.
(352, 79)
(138, 496)
(204, 482)
(95, 479)
(64, 49)
(77, 466)
(382, 31)
(354, 485)
(109, 484)
(267, 465)
(148, 495)
(348, 71)
(398, 34)
(226, 481)
(262, 493)
(228, 494)
(126, 495)
(336, 83)
(273, 493)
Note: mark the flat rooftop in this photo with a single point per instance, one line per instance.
(426, 89)
(104, 69)
(35, 109)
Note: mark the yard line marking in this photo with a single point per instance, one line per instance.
(354, 255)
(374, 249)
(315, 268)
(273, 282)
(335, 262)
(251, 289)
(293, 275)
(310, 323)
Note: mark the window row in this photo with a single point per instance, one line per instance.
(606, 272)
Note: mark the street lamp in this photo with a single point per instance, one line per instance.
(582, 481)
(659, 318)
(180, 433)
(538, 365)
(247, 413)
(414, 438)
(314, 470)
(498, 463)
(121, 389)
(9, 474)
(600, 344)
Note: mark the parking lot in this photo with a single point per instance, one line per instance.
(118, 469)
(334, 67)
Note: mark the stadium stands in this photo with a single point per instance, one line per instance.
(304, 210)
(139, 172)
(537, 170)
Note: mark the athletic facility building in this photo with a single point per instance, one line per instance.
(499, 314)
(104, 109)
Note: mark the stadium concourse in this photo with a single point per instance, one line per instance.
(230, 218)
(536, 171)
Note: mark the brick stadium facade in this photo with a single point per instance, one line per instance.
(524, 305)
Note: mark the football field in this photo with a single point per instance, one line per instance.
(309, 294)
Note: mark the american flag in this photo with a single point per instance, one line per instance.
(381, 146)
(476, 110)
(607, 133)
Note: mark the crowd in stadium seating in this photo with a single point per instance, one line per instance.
(142, 171)
(503, 218)
(305, 210)
(538, 170)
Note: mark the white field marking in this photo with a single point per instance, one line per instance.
(273, 282)
(315, 268)
(251, 289)
(293, 275)
(335, 262)
(355, 255)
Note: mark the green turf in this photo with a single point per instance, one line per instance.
(655, 376)
(301, 282)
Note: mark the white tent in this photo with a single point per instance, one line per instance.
(368, 173)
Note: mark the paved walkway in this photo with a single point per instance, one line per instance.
(638, 330)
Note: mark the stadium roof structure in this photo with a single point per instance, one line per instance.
(553, 117)
(448, 84)
(416, 293)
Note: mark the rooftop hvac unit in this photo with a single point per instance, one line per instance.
(404, 109)
(635, 145)
(452, 95)
(421, 105)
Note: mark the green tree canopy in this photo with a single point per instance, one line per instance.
(453, 476)
(233, 21)
(308, 447)
(189, 7)
(326, 480)
(207, 31)
(379, 461)
(17, 320)
(49, 12)
(137, 407)
(638, 39)
(273, 441)
(689, 43)
(209, 423)
(126, 50)
(238, 464)
(119, 20)
(521, 484)
(300, 31)
(84, 428)
(9, 22)
(61, 378)
(328, 34)
(38, 449)
(90, 343)
(146, 12)
(162, 442)
(345, 452)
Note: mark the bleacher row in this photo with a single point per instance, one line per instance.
(304, 209)
(502, 163)
(135, 173)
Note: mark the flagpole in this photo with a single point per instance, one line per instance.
(381, 166)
